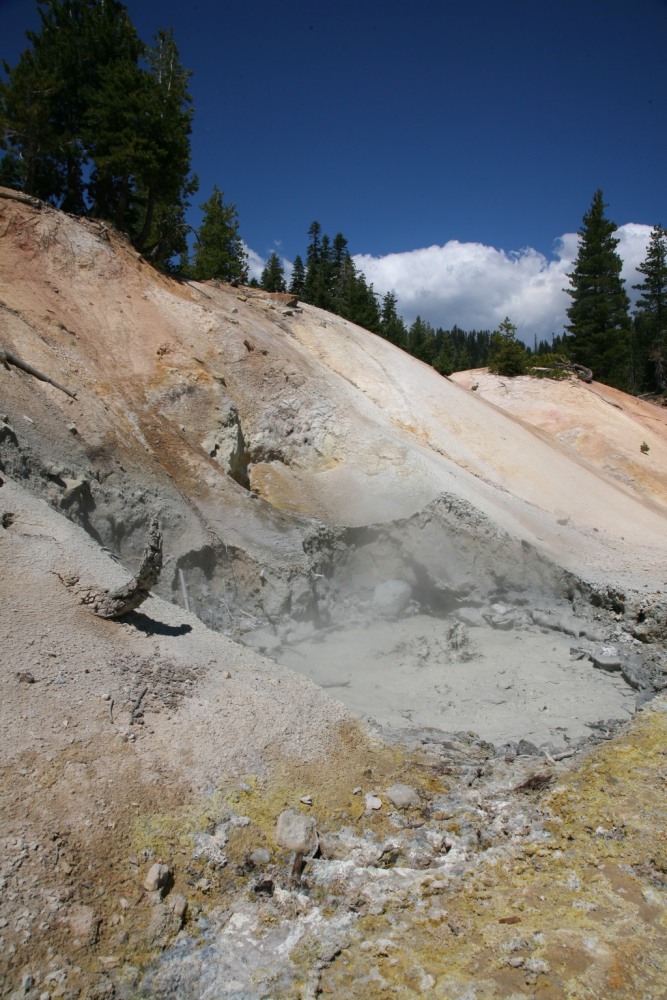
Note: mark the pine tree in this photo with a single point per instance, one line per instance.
(318, 286)
(444, 359)
(463, 362)
(507, 356)
(651, 312)
(298, 281)
(362, 305)
(392, 327)
(273, 275)
(219, 252)
(421, 340)
(599, 322)
(164, 183)
(95, 122)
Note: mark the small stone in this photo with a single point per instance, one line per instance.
(537, 965)
(109, 961)
(373, 802)
(357, 790)
(402, 796)
(178, 905)
(84, 925)
(307, 800)
(260, 857)
(226, 675)
(607, 658)
(296, 832)
(72, 428)
(157, 878)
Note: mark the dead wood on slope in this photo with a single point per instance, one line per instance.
(7, 359)
(117, 603)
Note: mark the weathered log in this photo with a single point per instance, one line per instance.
(563, 365)
(116, 603)
(585, 374)
(7, 359)
(21, 196)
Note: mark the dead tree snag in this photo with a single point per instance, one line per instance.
(117, 603)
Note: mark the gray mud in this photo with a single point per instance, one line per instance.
(444, 674)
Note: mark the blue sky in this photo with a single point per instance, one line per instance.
(456, 145)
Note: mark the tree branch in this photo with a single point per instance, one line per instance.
(7, 359)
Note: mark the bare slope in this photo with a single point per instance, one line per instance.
(277, 443)
(179, 384)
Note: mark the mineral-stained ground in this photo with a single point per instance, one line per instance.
(423, 622)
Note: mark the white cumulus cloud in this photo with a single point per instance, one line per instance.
(476, 286)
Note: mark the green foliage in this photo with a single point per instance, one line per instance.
(599, 323)
(392, 327)
(644, 448)
(556, 347)
(332, 281)
(650, 321)
(298, 281)
(421, 341)
(219, 252)
(273, 275)
(97, 123)
(507, 356)
(549, 366)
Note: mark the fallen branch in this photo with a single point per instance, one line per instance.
(7, 359)
(120, 602)
(21, 196)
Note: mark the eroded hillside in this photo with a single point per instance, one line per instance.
(484, 582)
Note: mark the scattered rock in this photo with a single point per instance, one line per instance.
(402, 796)
(296, 832)
(178, 905)
(260, 857)
(525, 748)
(84, 925)
(373, 802)
(158, 877)
(607, 658)
(500, 616)
(210, 846)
